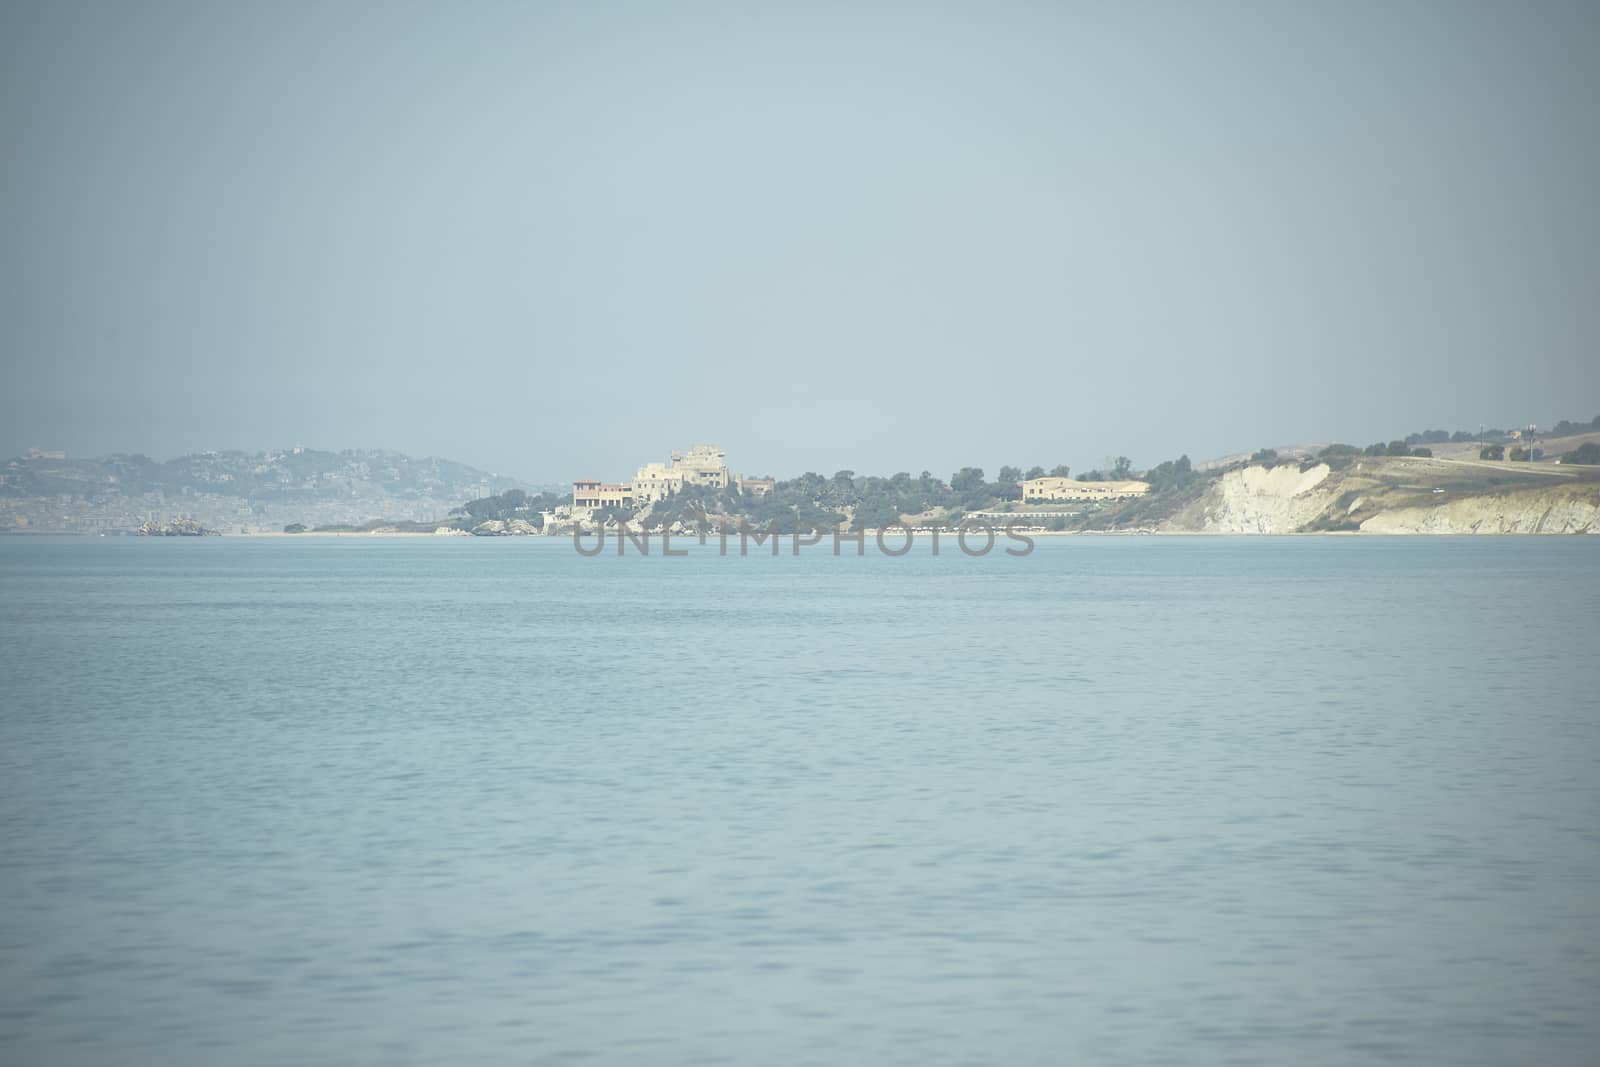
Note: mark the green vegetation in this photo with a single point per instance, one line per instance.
(1588, 453)
(1492, 452)
(512, 504)
(1565, 428)
(814, 501)
(817, 502)
(1396, 448)
(1171, 475)
(295, 527)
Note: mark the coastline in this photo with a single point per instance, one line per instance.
(890, 532)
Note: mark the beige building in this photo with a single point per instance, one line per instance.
(757, 486)
(655, 481)
(705, 465)
(1042, 490)
(702, 465)
(590, 494)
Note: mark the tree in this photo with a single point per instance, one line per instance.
(1267, 457)
(1171, 474)
(1492, 452)
(1034, 472)
(967, 479)
(508, 505)
(1061, 471)
(875, 514)
(1425, 453)
(1010, 475)
(808, 486)
(1565, 427)
(1586, 453)
(1121, 467)
(295, 527)
(1338, 450)
(1518, 454)
(1399, 448)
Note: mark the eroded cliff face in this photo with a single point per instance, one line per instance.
(1551, 511)
(1392, 496)
(1261, 500)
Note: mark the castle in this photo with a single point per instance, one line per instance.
(703, 465)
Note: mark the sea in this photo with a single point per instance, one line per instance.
(1118, 800)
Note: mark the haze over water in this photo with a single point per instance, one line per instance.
(478, 800)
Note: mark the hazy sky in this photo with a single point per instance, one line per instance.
(559, 240)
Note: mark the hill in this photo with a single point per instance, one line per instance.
(234, 491)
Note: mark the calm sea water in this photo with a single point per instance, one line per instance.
(362, 801)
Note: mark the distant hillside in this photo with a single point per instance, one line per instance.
(1547, 445)
(235, 491)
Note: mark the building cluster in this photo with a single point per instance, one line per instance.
(705, 466)
(1046, 490)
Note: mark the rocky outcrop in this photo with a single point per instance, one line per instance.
(501, 528)
(175, 528)
(1535, 512)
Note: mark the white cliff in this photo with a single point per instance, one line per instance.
(1265, 500)
(1551, 511)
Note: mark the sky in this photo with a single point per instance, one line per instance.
(560, 240)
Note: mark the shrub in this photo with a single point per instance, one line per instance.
(1586, 453)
